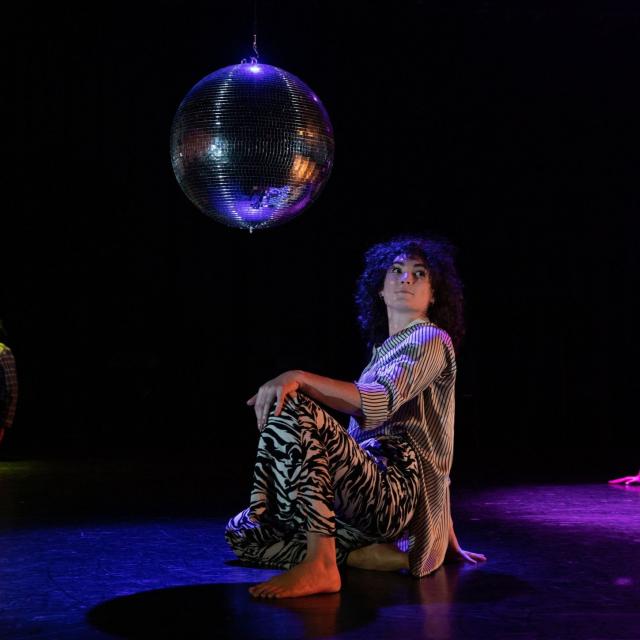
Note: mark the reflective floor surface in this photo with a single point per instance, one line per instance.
(102, 552)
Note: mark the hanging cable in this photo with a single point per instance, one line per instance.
(255, 29)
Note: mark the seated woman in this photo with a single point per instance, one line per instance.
(376, 497)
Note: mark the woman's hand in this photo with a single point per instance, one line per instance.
(460, 555)
(275, 390)
(455, 553)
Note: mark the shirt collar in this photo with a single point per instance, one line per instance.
(418, 321)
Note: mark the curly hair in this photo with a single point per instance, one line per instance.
(438, 254)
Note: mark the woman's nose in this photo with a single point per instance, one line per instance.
(406, 277)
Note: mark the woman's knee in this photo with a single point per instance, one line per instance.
(293, 401)
(283, 428)
(299, 415)
(298, 400)
(291, 408)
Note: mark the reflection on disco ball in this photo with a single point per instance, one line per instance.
(251, 146)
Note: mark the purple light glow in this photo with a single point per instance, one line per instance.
(623, 582)
(586, 506)
(254, 68)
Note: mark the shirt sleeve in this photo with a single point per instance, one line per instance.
(416, 364)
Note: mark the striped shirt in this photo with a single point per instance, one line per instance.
(8, 388)
(408, 388)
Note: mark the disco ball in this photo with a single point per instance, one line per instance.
(251, 146)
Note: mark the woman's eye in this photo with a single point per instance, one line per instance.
(396, 270)
(421, 274)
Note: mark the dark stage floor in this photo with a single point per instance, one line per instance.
(117, 550)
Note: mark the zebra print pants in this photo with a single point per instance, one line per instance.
(312, 476)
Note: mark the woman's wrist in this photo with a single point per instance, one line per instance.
(453, 541)
(302, 378)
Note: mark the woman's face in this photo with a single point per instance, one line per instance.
(407, 288)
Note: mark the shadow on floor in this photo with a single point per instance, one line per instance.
(228, 611)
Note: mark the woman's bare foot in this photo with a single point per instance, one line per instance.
(305, 579)
(378, 557)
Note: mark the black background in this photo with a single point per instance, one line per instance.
(140, 327)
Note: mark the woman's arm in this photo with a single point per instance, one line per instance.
(336, 394)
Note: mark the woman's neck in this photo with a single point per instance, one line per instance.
(397, 322)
